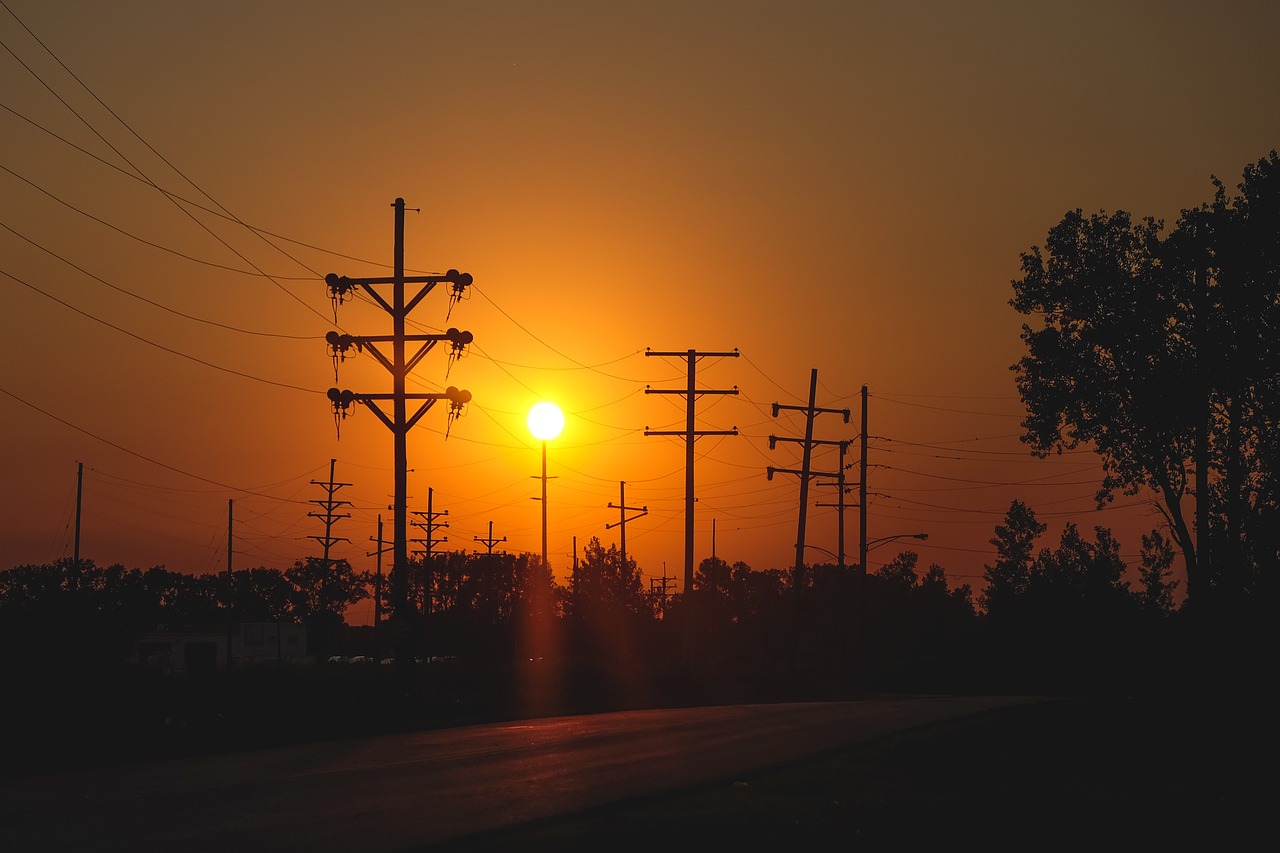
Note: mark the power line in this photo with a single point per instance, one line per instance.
(152, 302)
(144, 457)
(149, 342)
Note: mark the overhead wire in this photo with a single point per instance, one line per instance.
(152, 149)
(152, 343)
(152, 302)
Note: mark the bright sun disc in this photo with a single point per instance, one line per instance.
(545, 421)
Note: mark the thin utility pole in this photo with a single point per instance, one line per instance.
(377, 589)
(862, 492)
(377, 576)
(573, 579)
(806, 472)
(75, 564)
(840, 504)
(330, 516)
(660, 589)
(428, 541)
(400, 422)
(231, 588)
(690, 434)
(490, 541)
(623, 509)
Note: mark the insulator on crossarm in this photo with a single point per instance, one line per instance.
(341, 400)
(458, 284)
(457, 346)
(339, 286)
(458, 398)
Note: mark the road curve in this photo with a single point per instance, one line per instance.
(398, 792)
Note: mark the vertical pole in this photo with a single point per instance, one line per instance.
(622, 521)
(73, 575)
(399, 570)
(428, 565)
(230, 579)
(713, 540)
(328, 522)
(844, 446)
(862, 492)
(1205, 568)
(544, 504)
(79, 499)
(804, 478)
(377, 582)
(690, 428)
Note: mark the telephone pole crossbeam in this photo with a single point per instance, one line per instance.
(623, 509)
(399, 421)
(330, 516)
(489, 542)
(690, 434)
(806, 472)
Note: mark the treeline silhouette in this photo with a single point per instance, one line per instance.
(494, 636)
(1156, 351)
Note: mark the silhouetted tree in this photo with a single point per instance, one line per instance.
(262, 595)
(1161, 354)
(606, 583)
(322, 592)
(1010, 575)
(900, 572)
(713, 576)
(1156, 595)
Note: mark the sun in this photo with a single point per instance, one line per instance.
(546, 420)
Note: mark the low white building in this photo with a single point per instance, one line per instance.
(202, 649)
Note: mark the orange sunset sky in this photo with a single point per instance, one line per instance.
(843, 186)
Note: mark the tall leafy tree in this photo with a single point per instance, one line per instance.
(1156, 594)
(607, 583)
(1010, 575)
(1159, 353)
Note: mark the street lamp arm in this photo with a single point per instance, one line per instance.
(882, 540)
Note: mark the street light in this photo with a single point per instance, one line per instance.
(825, 551)
(545, 422)
(875, 543)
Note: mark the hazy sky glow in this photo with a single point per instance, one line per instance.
(835, 185)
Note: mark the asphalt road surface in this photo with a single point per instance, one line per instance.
(407, 791)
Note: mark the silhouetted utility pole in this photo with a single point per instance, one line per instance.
(660, 589)
(75, 559)
(428, 542)
(690, 434)
(400, 422)
(378, 584)
(490, 541)
(811, 411)
(231, 586)
(862, 492)
(840, 505)
(623, 509)
(573, 578)
(330, 516)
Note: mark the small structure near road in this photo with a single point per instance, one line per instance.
(194, 650)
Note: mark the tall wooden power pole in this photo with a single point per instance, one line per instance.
(806, 470)
(690, 433)
(399, 422)
(330, 504)
(623, 509)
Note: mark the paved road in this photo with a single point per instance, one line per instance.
(399, 792)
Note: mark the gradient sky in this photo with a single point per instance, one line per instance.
(842, 186)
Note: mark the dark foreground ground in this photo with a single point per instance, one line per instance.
(1187, 766)
(1052, 775)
